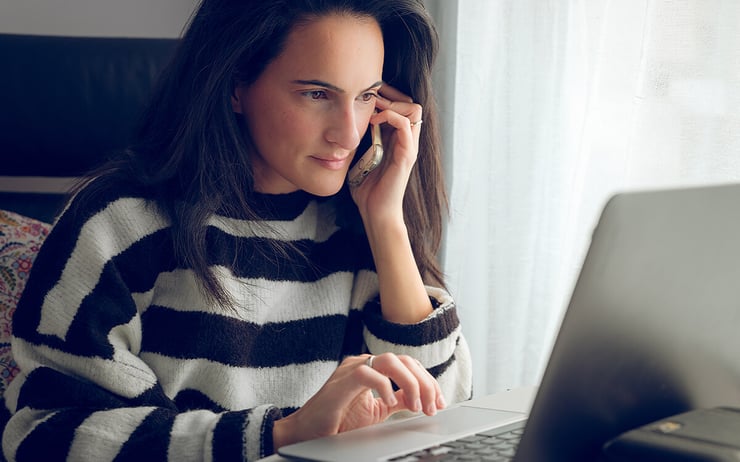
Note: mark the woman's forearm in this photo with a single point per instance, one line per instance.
(403, 298)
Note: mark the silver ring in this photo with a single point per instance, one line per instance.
(418, 122)
(369, 361)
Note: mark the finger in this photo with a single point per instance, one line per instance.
(354, 375)
(429, 390)
(401, 374)
(392, 98)
(394, 94)
(376, 380)
(404, 136)
(400, 403)
(408, 109)
(440, 397)
(435, 396)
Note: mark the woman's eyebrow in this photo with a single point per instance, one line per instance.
(321, 83)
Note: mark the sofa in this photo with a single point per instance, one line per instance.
(66, 105)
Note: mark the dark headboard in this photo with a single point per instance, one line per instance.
(67, 103)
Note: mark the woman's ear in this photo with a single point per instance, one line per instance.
(236, 98)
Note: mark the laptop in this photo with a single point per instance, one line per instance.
(651, 330)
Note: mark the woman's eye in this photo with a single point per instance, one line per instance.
(316, 94)
(367, 97)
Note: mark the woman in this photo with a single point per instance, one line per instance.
(219, 291)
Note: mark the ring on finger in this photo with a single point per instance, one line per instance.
(418, 122)
(369, 361)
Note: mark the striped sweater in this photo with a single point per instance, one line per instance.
(122, 358)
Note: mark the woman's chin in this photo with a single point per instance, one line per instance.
(327, 185)
(325, 190)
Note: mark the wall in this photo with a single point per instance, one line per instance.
(111, 18)
(120, 18)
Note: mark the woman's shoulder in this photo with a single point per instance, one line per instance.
(109, 195)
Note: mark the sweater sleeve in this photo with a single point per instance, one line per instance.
(437, 342)
(84, 392)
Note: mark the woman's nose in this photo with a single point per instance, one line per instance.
(343, 130)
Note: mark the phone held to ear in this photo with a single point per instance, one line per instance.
(369, 161)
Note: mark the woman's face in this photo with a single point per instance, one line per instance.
(308, 110)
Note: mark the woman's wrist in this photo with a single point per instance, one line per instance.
(382, 218)
(383, 231)
(282, 433)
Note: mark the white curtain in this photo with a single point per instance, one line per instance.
(551, 106)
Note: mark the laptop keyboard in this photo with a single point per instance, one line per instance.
(490, 446)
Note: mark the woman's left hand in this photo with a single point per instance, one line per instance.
(380, 196)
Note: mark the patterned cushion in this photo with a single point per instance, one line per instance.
(20, 240)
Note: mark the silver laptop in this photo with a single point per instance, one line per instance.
(651, 330)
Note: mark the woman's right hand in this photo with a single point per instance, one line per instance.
(346, 400)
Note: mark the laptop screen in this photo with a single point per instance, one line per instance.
(651, 329)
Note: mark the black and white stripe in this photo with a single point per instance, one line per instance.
(123, 358)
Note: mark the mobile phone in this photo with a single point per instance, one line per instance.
(369, 161)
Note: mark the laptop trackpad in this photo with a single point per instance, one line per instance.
(462, 419)
(399, 437)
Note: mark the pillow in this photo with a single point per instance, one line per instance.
(20, 241)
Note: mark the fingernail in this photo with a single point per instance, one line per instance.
(441, 403)
(392, 401)
(431, 409)
(417, 405)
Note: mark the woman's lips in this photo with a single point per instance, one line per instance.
(332, 163)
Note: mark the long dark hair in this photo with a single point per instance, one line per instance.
(193, 151)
